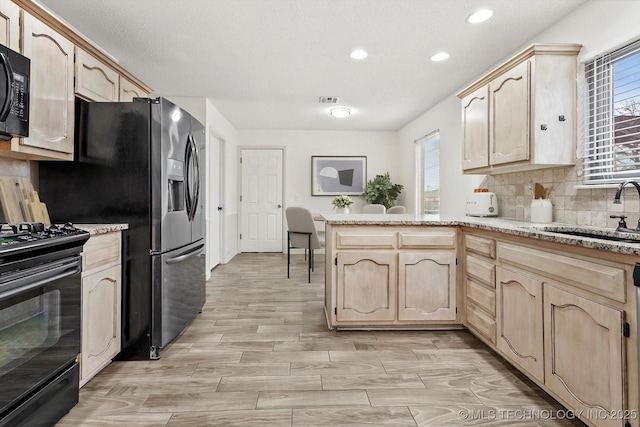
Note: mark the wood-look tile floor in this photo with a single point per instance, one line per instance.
(260, 354)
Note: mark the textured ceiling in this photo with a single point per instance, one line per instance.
(264, 63)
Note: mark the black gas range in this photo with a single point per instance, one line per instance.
(40, 295)
(30, 236)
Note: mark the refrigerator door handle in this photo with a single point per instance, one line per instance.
(192, 252)
(192, 171)
(196, 163)
(187, 177)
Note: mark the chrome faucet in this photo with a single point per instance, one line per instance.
(622, 225)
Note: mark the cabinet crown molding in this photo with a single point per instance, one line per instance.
(79, 40)
(531, 51)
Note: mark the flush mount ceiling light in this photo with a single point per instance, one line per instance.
(358, 54)
(479, 16)
(340, 112)
(440, 56)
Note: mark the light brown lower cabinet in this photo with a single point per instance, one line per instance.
(367, 286)
(427, 285)
(421, 284)
(584, 355)
(100, 320)
(519, 320)
(101, 303)
(391, 277)
(559, 318)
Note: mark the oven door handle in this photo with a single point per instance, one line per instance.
(40, 279)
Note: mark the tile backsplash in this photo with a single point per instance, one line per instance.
(570, 204)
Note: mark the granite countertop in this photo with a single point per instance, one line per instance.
(94, 229)
(550, 232)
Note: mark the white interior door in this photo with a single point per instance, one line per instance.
(261, 200)
(213, 217)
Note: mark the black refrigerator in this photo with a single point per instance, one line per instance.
(138, 163)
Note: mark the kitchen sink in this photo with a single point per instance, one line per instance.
(611, 236)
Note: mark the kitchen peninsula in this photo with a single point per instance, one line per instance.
(579, 342)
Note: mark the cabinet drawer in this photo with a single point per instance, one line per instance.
(482, 296)
(481, 270)
(590, 275)
(480, 245)
(481, 322)
(372, 239)
(439, 238)
(101, 250)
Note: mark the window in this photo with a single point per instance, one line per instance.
(428, 173)
(612, 134)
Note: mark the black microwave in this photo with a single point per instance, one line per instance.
(14, 94)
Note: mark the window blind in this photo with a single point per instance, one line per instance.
(612, 145)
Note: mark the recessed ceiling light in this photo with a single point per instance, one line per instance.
(340, 112)
(479, 16)
(440, 56)
(358, 54)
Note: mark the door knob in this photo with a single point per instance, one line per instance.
(279, 206)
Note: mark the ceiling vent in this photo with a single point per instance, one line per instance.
(329, 99)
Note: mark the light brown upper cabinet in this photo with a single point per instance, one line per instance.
(10, 25)
(51, 110)
(95, 81)
(129, 90)
(475, 118)
(522, 115)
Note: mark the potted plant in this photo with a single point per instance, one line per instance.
(342, 203)
(382, 191)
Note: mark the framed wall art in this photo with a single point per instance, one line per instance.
(335, 175)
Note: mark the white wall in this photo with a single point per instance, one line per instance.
(599, 25)
(379, 147)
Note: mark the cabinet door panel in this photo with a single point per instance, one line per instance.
(128, 91)
(519, 320)
(51, 112)
(10, 25)
(366, 286)
(427, 286)
(475, 127)
(583, 354)
(95, 80)
(509, 116)
(100, 320)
